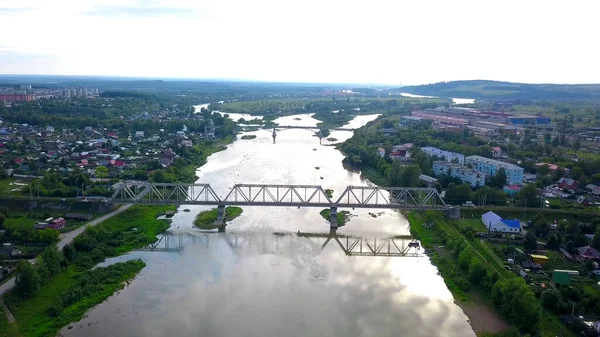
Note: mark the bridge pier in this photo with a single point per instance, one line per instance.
(220, 221)
(274, 135)
(453, 213)
(333, 223)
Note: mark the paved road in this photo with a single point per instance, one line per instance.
(66, 238)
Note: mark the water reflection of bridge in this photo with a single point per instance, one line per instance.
(290, 243)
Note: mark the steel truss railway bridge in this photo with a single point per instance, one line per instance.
(284, 243)
(402, 198)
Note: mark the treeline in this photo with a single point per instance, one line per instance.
(465, 270)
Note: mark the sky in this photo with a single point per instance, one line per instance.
(399, 42)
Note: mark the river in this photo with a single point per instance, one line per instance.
(250, 282)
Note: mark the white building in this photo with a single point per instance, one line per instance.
(514, 173)
(495, 223)
(465, 174)
(381, 152)
(446, 155)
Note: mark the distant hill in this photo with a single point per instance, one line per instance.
(481, 89)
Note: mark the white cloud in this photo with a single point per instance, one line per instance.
(311, 40)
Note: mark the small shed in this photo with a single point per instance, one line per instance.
(561, 278)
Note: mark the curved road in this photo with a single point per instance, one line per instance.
(66, 238)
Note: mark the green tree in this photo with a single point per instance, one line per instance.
(101, 172)
(517, 303)
(543, 170)
(553, 241)
(27, 280)
(50, 258)
(576, 172)
(577, 144)
(2, 218)
(477, 271)
(596, 239)
(530, 242)
(499, 179)
(550, 299)
(70, 253)
(528, 194)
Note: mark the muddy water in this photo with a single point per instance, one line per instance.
(250, 282)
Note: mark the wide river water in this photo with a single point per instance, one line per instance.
(250, 282)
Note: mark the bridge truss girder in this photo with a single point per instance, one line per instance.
(409, 198)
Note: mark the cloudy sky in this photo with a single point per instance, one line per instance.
(367, 41)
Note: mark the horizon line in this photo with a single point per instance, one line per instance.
(242, 80)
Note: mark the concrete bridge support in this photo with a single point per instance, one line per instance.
(220, 221)
(453, 213)
(274, 135)
(333, 223)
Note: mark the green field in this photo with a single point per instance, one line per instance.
(206, 219)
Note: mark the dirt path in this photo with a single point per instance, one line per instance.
(482, 317)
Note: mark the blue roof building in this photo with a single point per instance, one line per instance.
(495, 223)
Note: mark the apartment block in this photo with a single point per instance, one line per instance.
(514, 173)
(446, 155)
(467, 175)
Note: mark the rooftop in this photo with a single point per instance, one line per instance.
(493, 161)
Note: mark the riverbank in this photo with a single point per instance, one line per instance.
(206, 219)
(75, 287)
(479, 282)
(476, 305)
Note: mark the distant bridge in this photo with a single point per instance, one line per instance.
(311, 128)
(404, 198)
(281, 243)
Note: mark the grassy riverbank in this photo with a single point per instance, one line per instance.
(342, 216)
(206, 219)
(65, 284)
(66, 298)
(491, 296)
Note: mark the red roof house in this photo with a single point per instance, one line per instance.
(57, 224)
(588, 252)
(112, 135)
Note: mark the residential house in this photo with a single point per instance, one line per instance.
(587, 252)
(446, 155)
(57, 224)
(567, 183)
(595, 190)
(495, 223)
(139, 134)
(112, 135)
(120, 164)
(186, 143)
(582, 200)
(166, 157)
(400, 154)
(465, 174)
(496, 152)
(551, 167)
(511, 189)
(50, 129)
(514, 173)
(529, 177)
